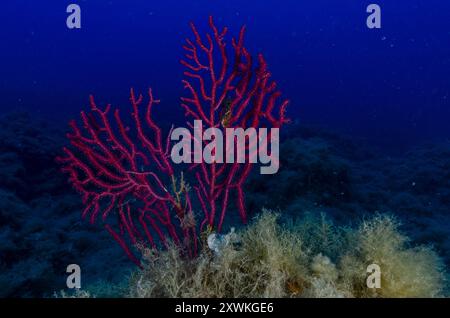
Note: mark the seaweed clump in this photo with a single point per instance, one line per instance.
(269, 260)
(262, 264)
(406, 271)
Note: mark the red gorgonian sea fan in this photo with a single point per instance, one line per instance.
(125, 174)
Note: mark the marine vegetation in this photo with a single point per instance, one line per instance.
(267, 259)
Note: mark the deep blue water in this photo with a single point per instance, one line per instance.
(390, 85)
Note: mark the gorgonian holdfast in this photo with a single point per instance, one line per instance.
(125, 174)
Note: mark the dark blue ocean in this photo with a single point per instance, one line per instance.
(369, 109)
(388, 84)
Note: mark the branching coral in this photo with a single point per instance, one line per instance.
(125, 175)
(227, 93)
(107, 168)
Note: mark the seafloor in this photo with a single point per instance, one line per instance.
(321, 171)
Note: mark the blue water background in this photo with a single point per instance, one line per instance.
(390, 86)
